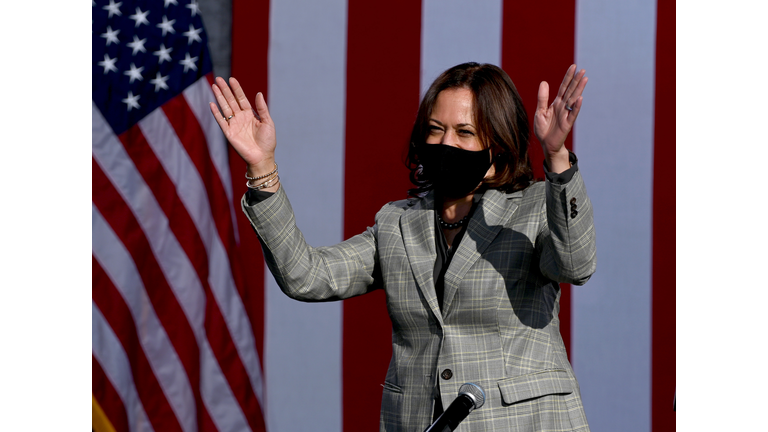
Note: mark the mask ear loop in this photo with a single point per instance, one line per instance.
(419, 164)
(494, 157)
(415, 151)
(493, 160)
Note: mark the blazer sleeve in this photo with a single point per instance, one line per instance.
(312, 274)
(566, 239)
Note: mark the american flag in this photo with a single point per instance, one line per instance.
(173, 337)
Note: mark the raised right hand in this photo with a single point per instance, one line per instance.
(251, 133)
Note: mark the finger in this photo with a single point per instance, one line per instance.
(579, 89)
(222, 101)
(566, 80)
(261, 108)
(242, 100)
(219, 118)
(575, 82)
(575, 113)
(543, 99)
(225, 90)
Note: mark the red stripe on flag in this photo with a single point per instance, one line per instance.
(186, 233)
(224, 349)
(380, 108)
(663, 278)
(250, 44)
(192, 137)
(120, 217)
(107, 396)
(206, 424)
(112, 306)
(532, 53)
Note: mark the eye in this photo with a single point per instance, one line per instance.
(435, 129)
(466, 132)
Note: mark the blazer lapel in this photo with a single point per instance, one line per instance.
(417, 224)
(493, 211)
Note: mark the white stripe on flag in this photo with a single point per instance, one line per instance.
(166, 365)
(614, 135)
(198, 96)
(217, 395)
(109, 152)
(110, 354)
(191, 191)
(454, 32)
(119, 168)
(307, 100)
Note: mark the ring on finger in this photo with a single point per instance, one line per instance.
(230, 117)
(569, 108)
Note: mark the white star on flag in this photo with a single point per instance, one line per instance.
(159, 82)
(166, 25)
(111, 35)
(163, 53)
(132, 101)
(194, 7)
(113, 8)
(167, 2)
(193, 34)
(140, 17)
(134, 73)
(137, 45)
(189, 63)
(108, 64)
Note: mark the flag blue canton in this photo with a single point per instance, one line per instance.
(144, 54)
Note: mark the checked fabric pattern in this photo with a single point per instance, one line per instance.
(499, 324)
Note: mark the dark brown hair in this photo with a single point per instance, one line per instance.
(501, 122)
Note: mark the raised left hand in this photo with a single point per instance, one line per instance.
(552, 123)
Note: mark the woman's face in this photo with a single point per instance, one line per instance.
(452, 123)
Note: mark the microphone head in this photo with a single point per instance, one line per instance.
(474, 392)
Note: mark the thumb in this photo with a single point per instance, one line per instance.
(261, 108)
(543, 99)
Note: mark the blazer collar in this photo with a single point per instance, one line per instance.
(417, 224)
(490, 216)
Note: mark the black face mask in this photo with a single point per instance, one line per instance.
(454, 172)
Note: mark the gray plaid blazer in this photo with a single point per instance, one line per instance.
(499, 325)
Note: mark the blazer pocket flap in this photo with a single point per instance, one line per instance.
(519, 388)
(388, 386)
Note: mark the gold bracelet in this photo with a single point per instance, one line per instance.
(261, 177)
(271, 182)
(248, 182)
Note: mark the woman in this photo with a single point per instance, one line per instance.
(470, 264)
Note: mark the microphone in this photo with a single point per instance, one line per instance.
(470, 397)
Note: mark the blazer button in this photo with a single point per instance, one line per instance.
(573, 201)
(447, 374)
(574, 213)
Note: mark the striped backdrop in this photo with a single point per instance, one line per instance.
(343, 79)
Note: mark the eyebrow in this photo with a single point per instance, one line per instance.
(458, 125)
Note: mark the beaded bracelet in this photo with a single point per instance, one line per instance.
(261, 177)
(271, 182)
(250, 185)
